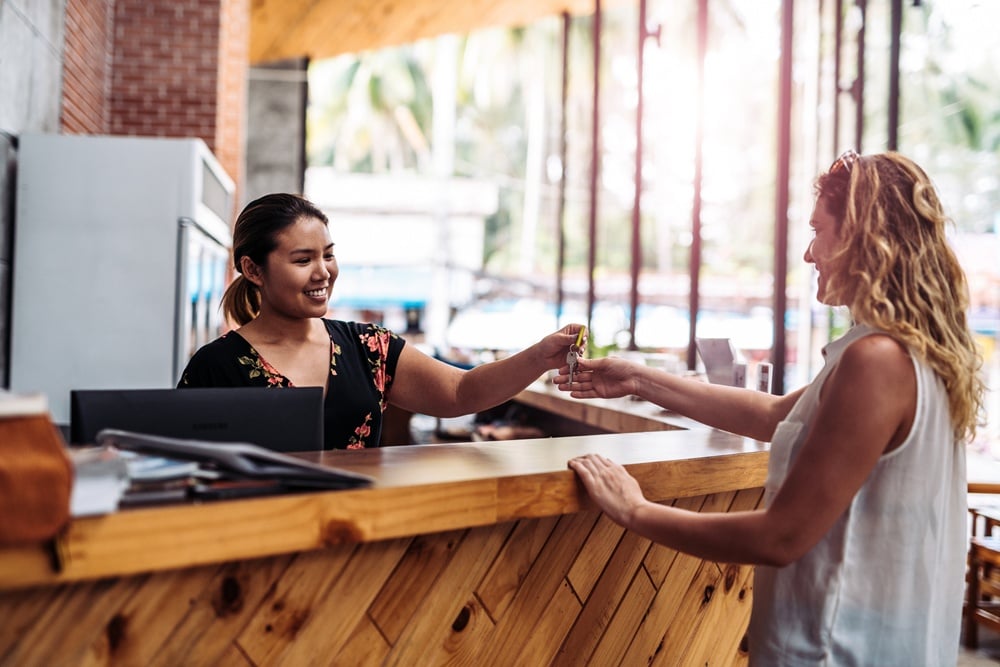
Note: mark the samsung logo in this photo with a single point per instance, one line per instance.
(210, 426)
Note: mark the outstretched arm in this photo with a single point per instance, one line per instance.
(745, 412)
(428, 386)
(866, 408)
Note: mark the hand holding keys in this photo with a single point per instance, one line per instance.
(574, 353)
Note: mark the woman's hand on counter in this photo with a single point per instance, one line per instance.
(615, 491)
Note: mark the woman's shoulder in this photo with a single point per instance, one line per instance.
(879, 358)
(214, 363)
(876, 346)
(356, 329)
(227, 341)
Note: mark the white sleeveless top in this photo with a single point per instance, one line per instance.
(885, 585)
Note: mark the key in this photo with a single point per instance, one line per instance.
(574, 353)
(571, 358)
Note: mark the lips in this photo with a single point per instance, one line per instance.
(316, 293)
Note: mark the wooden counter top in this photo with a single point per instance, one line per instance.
(418, 490)
(616, 415)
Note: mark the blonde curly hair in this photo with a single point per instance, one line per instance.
(896, 271)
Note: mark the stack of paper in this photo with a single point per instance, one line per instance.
(100, 479)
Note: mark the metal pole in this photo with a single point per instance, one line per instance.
(699, 140)
(859, 83)
(782, 197)
(595, 164)
(636, 254)
(896, 28)
(838, 41)
(561, 203)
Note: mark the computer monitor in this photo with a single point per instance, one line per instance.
(286, 419)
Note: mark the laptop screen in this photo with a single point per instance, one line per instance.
(289, 419)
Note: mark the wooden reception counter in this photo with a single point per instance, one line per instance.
(480, 553)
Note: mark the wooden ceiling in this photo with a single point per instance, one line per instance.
(282, 29)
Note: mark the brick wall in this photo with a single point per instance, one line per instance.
(231, 114)
(87, 67)
(166, 64)
(164, 68)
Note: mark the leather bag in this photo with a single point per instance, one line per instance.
(36, 478)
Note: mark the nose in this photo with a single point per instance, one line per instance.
(807, 256)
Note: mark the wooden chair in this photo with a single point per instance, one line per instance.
(982, 605)
(986, 517)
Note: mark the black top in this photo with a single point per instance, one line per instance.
(363, 361)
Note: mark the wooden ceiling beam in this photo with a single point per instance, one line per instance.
(283, 29)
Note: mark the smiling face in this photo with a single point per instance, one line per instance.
(824, 245)
(298, 277)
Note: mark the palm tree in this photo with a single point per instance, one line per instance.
(370, 111)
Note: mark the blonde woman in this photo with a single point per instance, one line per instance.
(861, 543)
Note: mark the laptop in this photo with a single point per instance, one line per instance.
(287, 419)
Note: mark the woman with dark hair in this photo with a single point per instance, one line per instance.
(283, 254)
(861, 542)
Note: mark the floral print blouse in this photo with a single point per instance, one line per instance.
(363, 361)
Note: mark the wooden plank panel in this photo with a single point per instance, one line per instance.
(543, 639)
(144, 623)
(594, 555)
(621, 568)
(731, 606)
(515, 560)
(289, 603)
(20, 611)
(459, 642)
(365, 646)
(735, 605)
(335, 614)
(660, 559)
(232, 657)
(616, 639)
(79, 627)
(695, 598)
(452, 621)
(220, 612)
(425, 558)
(748, 499)
(663, 612)
(693, 606)
(547, 574)
(717, 598)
